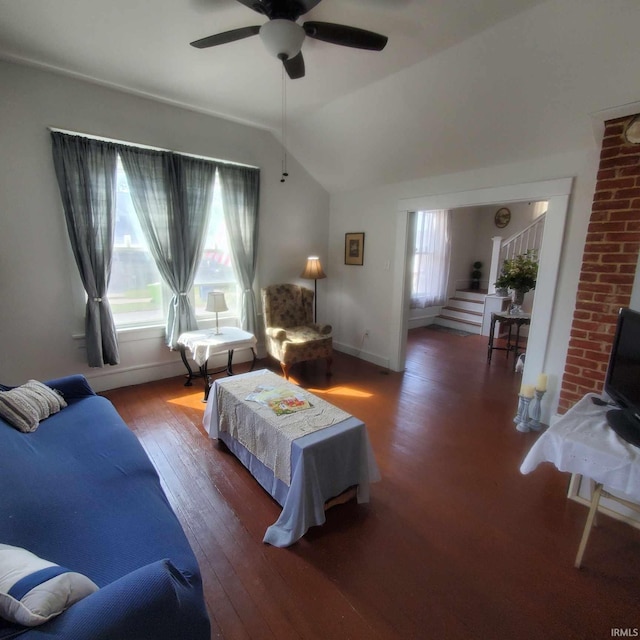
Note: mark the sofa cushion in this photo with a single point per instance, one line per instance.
(23, 407)
(33, 590)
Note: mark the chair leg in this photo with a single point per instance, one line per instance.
(329, 363)
(285, 369)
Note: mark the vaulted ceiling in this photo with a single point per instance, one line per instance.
(143, 46)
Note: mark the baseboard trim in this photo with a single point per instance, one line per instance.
(363, 355)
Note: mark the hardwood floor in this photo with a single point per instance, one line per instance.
(455, 542)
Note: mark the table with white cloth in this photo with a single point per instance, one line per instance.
(204, 343)
(582, 442)
(302, 459)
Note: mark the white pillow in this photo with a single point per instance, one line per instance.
(33, 590)
(24, 406)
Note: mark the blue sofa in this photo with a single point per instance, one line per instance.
(81, 492)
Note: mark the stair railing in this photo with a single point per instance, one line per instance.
(527, 239)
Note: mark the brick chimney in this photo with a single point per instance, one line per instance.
(609, 264)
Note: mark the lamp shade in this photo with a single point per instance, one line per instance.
(216, 301)
(282, 38)
(313, 269)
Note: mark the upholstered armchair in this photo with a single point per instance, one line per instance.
(290, 333)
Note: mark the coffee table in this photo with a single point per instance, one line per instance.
(323, 464)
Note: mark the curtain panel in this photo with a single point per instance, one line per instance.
(240, 198)
(86, 174)
(172, 196)
(431, 258)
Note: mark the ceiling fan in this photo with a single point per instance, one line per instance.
(283, 36)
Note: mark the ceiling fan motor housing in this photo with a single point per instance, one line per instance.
(282, 38)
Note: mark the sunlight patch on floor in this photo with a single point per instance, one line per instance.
(342, 391)
(191, 400)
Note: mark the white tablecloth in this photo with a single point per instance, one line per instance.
(205, 342)
(323, 465)
(582, 442)
(257, 427)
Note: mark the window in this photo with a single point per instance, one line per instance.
(137, 293)
(430, 273)
(216, 267)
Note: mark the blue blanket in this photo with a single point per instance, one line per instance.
(80, 491)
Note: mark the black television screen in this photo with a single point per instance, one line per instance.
(623, 377)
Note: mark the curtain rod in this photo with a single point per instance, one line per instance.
(146, 146)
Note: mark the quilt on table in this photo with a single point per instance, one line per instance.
(266, 435)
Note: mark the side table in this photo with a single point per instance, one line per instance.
(205, 343)
(582, 442)
(506, 318)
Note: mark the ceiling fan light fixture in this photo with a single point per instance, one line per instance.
(282, 38)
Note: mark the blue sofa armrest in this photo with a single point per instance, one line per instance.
(72, 387)
(154, 602)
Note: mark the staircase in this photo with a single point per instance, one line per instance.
(463, 311)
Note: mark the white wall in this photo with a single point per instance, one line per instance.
(374, 210)
(42, 298)
(532, 90)
(464, 247)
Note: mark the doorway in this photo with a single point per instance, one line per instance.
(556, 192)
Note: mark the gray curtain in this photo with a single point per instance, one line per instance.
(240, 199)
(172, 198)
(86, 173)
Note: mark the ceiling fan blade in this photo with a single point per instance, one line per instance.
(294, 66)
(226, 36)
(345, 36)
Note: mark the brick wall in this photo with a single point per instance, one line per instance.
(608, 265)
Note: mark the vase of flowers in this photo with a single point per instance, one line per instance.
(518, 275)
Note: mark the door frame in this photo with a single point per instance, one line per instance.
(556, 192)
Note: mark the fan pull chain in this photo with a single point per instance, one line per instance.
(284, 126)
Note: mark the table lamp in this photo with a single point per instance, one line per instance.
(313, 271)
(216, 303)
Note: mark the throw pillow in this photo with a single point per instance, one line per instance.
(23, 407)
(33, 590)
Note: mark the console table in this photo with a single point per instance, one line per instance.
(205, 343)
(509, 319)
(582, 442)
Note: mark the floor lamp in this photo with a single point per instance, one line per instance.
(313, 271)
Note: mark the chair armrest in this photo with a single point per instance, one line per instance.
(324, 329)
(276, 332)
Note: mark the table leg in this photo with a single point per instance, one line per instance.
(492, 329)
(186, 364)
(255, 357)
(595, 499)
(204, 372)
(515, 351)
(230, 363)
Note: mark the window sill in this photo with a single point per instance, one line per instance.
(152, 332)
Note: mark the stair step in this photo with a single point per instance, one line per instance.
(476, 310)
(443, 316)
(457, 323)
(476, 295)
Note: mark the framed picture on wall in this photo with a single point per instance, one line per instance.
(354, 248)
